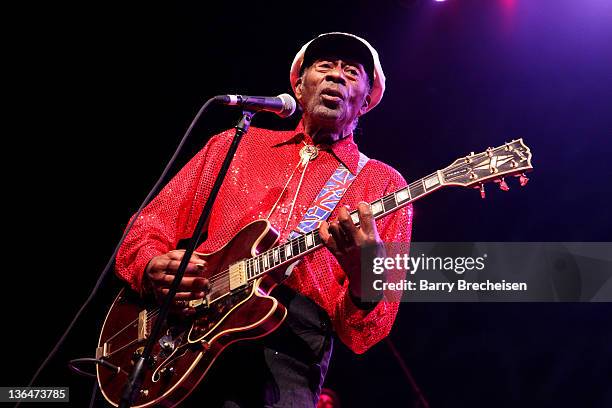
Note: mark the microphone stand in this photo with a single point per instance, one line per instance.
(132, 387)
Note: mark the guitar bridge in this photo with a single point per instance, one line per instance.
(103, 351)
(203, 303)
(237, 275)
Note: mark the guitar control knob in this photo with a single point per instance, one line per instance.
(166, 343)
(167, 372)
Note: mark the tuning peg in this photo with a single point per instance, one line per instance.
(523, 179)
(480, 186)
(502, 184)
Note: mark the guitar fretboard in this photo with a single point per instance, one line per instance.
(293, 249)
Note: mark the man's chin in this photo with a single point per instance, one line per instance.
(328, 114)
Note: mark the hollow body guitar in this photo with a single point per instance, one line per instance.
(239, 306)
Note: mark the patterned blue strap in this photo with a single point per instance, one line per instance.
(328, 198)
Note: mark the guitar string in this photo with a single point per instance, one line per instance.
(224, 275)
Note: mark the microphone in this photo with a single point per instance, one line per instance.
(283, 105)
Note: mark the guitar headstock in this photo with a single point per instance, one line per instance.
(510, 159)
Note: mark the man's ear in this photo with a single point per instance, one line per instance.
(298, 88)
(365, 104)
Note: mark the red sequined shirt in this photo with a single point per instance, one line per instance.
(263, 164)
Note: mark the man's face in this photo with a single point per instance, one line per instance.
(333, 92)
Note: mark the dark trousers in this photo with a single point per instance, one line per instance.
(284, 369)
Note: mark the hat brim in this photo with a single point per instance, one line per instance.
(339, 46)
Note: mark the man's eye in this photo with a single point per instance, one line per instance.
(353, 71)
(325, 65)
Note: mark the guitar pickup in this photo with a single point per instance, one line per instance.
(237, 275)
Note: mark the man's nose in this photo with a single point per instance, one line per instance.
(336, 75)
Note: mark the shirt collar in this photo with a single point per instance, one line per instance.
(344, 149)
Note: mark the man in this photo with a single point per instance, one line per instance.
(336, 78)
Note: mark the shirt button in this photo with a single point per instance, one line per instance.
(284, 210)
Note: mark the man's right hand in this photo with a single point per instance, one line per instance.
(160, 273)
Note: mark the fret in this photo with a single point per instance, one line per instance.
(283, 253)
(377, 207)
(266, 264)
(295, 246)
(309, 240)
(402, 195)
(431, 181)
(389, 202)
(248, 269)
(416, 189)
(276, 255)
(355, 217)
(287, 251)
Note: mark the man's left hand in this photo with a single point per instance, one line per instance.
(347, 242)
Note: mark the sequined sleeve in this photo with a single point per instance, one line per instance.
(360, 329)
(169, 217)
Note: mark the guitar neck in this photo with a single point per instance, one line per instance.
(292, 250)
(510, 159)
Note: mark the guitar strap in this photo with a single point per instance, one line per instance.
(327, 200)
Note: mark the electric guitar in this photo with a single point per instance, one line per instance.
(242, 274)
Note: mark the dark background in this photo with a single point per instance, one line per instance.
(100, 95)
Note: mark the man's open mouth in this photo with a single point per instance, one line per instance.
(332, 95)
